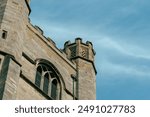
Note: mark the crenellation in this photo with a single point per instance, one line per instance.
(79, 49)
(39, 29)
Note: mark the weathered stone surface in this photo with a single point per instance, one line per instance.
(11, 79)
(27, 92)
(24, 47)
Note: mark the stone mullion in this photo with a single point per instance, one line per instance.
(58, 90)
(49, 88)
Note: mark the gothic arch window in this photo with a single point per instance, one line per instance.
(47, 80)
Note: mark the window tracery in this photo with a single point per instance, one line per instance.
(47, 80)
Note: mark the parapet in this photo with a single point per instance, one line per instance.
(79, 49)
(39, 29)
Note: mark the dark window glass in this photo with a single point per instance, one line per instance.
(46, 83)
(38, 76)
(52, 75)
(54, 89)
(44, 68)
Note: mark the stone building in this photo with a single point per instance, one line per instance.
(32, 67)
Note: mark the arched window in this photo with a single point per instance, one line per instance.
(47, 80)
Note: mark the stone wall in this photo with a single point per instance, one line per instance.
(37, 47)
(9, 77)
(86, 80)
(27, 92)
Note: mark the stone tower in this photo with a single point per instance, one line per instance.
(13, 19)
(83, 56)
(32, 67)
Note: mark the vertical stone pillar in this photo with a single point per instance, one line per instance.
(9, 78)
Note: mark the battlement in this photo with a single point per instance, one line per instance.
(79, 49)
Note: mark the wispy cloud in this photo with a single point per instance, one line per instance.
(116, 70)
(120, 58)
(108, 44)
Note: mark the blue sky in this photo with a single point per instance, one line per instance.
(120, 33)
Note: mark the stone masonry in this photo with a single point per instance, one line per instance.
(32, 67)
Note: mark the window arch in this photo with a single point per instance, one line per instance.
(47, 80)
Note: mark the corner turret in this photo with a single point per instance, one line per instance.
(79, 49)
(83, 56)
